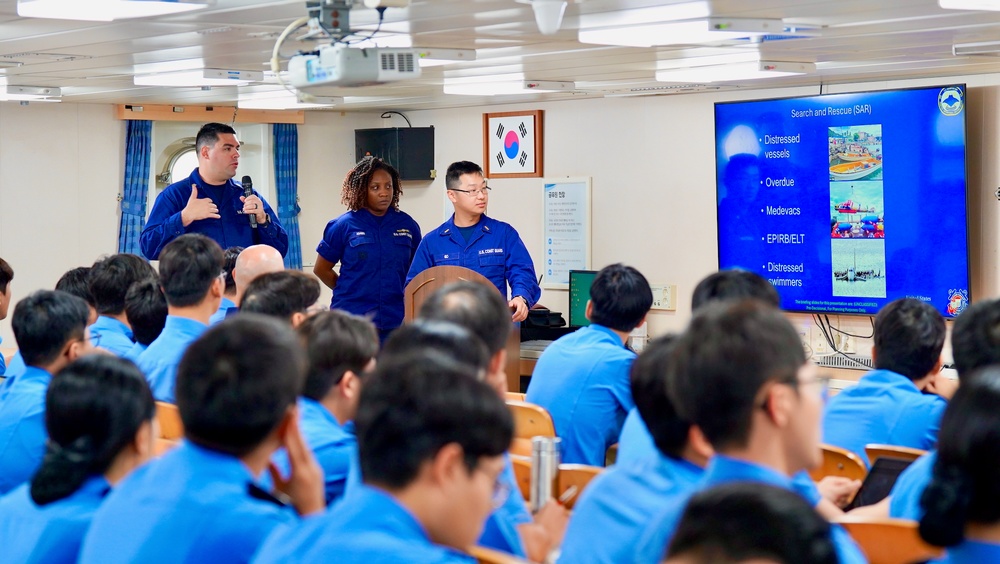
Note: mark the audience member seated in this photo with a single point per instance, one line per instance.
(615, 508)
(889, 405)
(341, 350)
(51, 331)
(146, 310)
(431, 439)
(635, 442)
(287, 295)
(236, 391)
(743, 522)
(740, 374)
(229, 294)
(6, 275)
(190, 275)
(962, 502)
(100, 426)
(451, 340)
(108, 282)
(511, 527)
(582, 379)
(975, 344)
(251, 263)
(73, 281)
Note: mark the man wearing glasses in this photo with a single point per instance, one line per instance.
(478, 242)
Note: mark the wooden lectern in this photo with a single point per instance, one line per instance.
(428, 281)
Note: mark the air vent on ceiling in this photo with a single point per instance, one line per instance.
(35, 57)
(661, 90)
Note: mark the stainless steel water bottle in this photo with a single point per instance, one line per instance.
(544, 470)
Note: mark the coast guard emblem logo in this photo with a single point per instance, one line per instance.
(958, 300)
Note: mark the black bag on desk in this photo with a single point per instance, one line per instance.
(542, 318)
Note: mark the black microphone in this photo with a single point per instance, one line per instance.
(247, 192)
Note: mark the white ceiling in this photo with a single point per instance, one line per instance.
(855, 41)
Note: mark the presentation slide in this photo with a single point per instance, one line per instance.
(847, 202)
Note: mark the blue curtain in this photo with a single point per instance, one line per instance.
(286, 177)
(138, 153)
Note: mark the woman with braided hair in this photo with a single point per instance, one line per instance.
(99, 418)
(374, 243)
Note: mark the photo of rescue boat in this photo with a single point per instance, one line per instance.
(855, 170)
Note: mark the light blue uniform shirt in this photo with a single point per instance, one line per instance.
(904, 499)
(22, 428)
(51, 533)
(224, 306)
(112, 335)
(723, 470)
(883, 408)
(134, 352)
(159, 361)
(191, 505)
(500, 531)
(3, 361)
(367, 526)
(495, 250)
(635, 443)
(971, 552)
(617, 505)
(330, 442)
(582, 379)
(15, 367)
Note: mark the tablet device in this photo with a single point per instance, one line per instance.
(879, 481)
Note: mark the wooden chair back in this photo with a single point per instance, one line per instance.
(875, 452)
(889, 541)
(522, 473)
(839, 462)
(428, 281)
(574, 475)
(514, 396)
(530, 420)
(169, 419)
(161, 446)
(485, 555)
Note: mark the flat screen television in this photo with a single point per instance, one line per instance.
(579, 294)
(847, 202)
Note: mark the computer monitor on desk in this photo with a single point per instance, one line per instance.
(579, 294)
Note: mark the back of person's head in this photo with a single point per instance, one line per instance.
(453, 178)
(733, 284)
(909, 335)
(740, 521)
(281, 294)
(649, 389)
(237, 381)
(6, 275)
(477, 307)
(975, 337)
(335, 342)
(94, 409)
(189, 265)
(449, 339)
(254, 261)
(620, 297)
(45, 322)
(229, 263)
(74, 281)
(728, 354)
(414, 406)
(146, 310)
(964, 488)
(111, 277)
(208, 135)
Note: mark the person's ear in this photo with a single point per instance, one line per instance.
(451, 196)
(291, 413)
(589, 309)
(349, 385)
(447, 464)
(144, 441)
(780, 404)
(297, 318)
(699, 444)
(203, 152)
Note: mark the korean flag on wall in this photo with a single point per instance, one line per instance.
(512, 144)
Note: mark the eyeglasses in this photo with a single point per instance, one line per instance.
(485, 190)
(823, 382)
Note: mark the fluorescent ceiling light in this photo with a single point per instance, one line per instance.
(993, 5)
(429, 57)
(734, 72)
(980, 48)
(204, 77)
(284, 100)
(679, 33)
(498, 88)
(105, 10)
